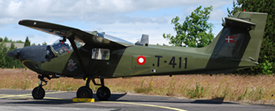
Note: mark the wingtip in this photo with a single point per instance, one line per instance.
(20, 22)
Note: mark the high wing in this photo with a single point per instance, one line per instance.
(73, 34)
(94, 37)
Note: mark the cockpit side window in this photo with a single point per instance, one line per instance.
(61, 47)
(100, 54)
(49, 54)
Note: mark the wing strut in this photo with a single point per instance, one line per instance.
(71, 39)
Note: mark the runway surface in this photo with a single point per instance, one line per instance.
(14, 100)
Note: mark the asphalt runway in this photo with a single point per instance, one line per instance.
(14, 100)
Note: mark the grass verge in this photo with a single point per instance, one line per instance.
(240, 88)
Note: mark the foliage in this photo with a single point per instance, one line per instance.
(5, 61)
(267, 53)
(44, 43)
(195, 31)
(235, 9)
(6, 39)
(145, 89)
(198, 92)
(27, 42)
(9, 40)
(266, 67)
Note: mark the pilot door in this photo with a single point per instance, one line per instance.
(100, 62)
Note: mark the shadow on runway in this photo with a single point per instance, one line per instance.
(209, 101)
(128, 98)
(161, 99)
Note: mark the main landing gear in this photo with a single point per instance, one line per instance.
(103, 93)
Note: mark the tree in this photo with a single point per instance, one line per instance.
(5, 61)
(6, 39)
(19, 41)
(44, 43)
(267, 53)
(195, 31)
(27, 42)
(3, 51)
(236, 8)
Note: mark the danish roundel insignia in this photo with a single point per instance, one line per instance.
(141, 60)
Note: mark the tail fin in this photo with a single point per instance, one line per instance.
(144, 40)
(238, 44)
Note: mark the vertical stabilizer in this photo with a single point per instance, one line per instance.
(239, 42)
(144, 40)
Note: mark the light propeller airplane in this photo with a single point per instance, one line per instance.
(94, 55)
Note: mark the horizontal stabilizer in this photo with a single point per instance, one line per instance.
(235, 22)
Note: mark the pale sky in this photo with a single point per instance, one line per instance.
(125, 19)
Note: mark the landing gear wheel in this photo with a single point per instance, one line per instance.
(38, 93)
(84, 92)
(103, 93)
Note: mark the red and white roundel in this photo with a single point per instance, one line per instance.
(141, 60)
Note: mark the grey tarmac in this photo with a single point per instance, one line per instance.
(14, 100)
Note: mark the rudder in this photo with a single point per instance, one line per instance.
(253, 49)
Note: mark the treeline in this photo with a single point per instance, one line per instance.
(9, 62)
(6, 61)
(10, 40)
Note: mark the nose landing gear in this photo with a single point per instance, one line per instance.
(39, 92)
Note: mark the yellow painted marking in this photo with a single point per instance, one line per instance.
(83, 99)
(24, 64)
(53, 98)
(150, 105)
(29, 95)
(56, 92)
(9, 96)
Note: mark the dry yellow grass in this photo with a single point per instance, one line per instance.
(255, 89)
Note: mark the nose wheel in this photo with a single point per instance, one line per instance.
(38, 93)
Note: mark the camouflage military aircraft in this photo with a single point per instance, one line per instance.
(92, 55)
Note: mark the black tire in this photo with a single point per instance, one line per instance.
(84, 92)
(103, 93)
(38, 93)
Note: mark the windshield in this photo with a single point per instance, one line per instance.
(115, 39)
(109, 37)
(61, 47)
